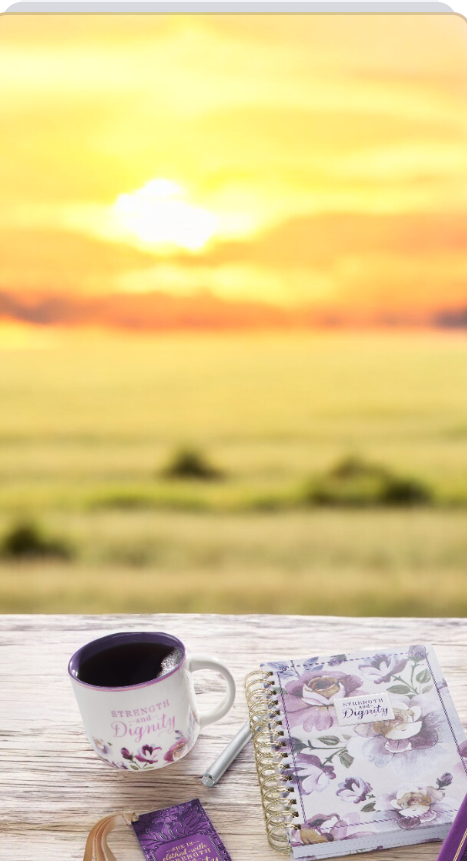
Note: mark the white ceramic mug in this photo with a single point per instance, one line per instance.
(149, 725)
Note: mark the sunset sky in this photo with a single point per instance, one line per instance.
(222, 170)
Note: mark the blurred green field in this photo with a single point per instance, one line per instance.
(86, 426)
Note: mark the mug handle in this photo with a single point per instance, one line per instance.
(204, 662)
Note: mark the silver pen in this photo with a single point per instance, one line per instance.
(214, 774)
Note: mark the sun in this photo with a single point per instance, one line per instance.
(159, 214)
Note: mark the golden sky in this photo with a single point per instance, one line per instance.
(315, 164)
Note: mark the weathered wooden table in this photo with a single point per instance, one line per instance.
(53, 788)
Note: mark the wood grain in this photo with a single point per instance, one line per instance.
(53, 788)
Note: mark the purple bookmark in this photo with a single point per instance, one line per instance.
(455, 844)
(180, 833)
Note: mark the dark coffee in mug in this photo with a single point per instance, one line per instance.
(127, 664)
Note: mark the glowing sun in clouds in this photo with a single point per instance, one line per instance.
(159, 214)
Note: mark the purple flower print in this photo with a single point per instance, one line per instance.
(444, 780)
(413, 806)
(398, 732)
(354, 789)
(325, 829)
(417, 653)
(126, 753)
(308, 699)
(380, 668)
(407, 741)
(148, 754)
(336, 660)
(312, 776)
(177, 750)
(102, 748)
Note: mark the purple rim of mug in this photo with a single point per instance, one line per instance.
(96, 646)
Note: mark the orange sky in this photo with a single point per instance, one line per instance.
(227, 170)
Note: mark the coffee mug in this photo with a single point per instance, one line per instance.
(136, 696)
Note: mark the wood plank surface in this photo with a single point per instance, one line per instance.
(53, 788)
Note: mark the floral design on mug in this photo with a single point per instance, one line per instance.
(101, 747)
(104, 752)
(178, 750)
(147, 755)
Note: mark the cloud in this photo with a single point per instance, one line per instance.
(59, 260)
(321, 240)
(158, 311)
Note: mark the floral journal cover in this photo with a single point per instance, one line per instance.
(373, 750)
(180, 833)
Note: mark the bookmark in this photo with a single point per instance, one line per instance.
(183, 831)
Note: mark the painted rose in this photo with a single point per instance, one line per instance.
(102, 748)
(148, 754)
(407, 741)
(309, 699)
(354, 789)
(444, 780)
(312, 776)
(414, 806)
(380, 668)
(417, 653)
(325, 829)
(336, 660)
(176, 751)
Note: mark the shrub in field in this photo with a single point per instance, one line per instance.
(405, 491)
(191, 464)
(124, 500)
(24, 540)
(355, 482)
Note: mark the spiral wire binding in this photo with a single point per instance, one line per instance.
(274, 775)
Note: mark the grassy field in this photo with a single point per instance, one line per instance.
(87, 425)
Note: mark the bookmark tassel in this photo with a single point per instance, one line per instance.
(96, 844)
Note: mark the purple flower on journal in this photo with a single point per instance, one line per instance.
(380, 668)
(417, 653)
(413, 806)
(312, 776)
(444, 780)
(406, 741)
(309, 699)
(336, 660)
(354, 789)
(326, 828)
